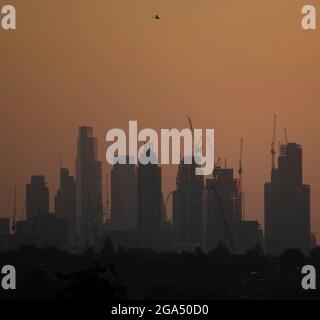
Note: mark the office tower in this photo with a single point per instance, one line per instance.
(223, 208)
(224, 214)
(189, 208)
(37, 209)
(65, 205)
(124, 196)
(6, 240)
(88, 187)
(37, 199)
(149, 197)
(4, 226)
(287, 204)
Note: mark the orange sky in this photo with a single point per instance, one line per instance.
(228, 64)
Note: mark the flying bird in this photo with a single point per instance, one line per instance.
(156, 17)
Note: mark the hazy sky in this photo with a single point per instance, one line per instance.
(228, 64)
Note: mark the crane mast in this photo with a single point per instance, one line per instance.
(285, 136)
(190, 124)
(240, 171)
(107, 213)
(273, 152)
(13, 226)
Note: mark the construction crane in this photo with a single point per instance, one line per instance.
(164, 206)
(198, 145)
(190, 124)
(240, 171)
(107, 213)
(224, 217)
(13, 226)
(273, 152)
(168, 198)
(218, 162)
(285, 136)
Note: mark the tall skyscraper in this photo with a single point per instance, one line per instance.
(287, 204)
(65, 204)
(37, 199)
(189, 208)
(88, 187)
(223, 208)
(224, 214)
(124, 196)
(37, 210)
(149, 197)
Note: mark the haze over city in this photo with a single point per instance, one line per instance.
(230, 66)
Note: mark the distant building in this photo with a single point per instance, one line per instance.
(150, 217)
(37, 209)
(4, 226)
(24, 233)
(223, 208)
(6, 240)
(287, 204)
(88, 187)
(54, 231)
(65, 205)
(37, 199)
(124, 196)
(224, 214)
(189, 208)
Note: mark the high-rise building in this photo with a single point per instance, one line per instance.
(88, 187)
(37, 199)
(149, 197)
(37, 209)
(189, 208)
(124, 196)
(6, 240)
(4, 226)
(65, 204)
(287, 204)
(224, 208)
(225, 222)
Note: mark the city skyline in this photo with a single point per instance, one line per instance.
(106, 192)
(205, 210)
(138, 216)
(228, 66)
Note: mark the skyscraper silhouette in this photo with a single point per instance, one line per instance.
(224, 214)
(223, 208)
(124, 196)
(88, 187)
(189, 208)
(37, 209)
(37, 199)
(65, 204)
(149, 197)
(287, 204)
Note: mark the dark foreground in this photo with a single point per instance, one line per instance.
(52, 274)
